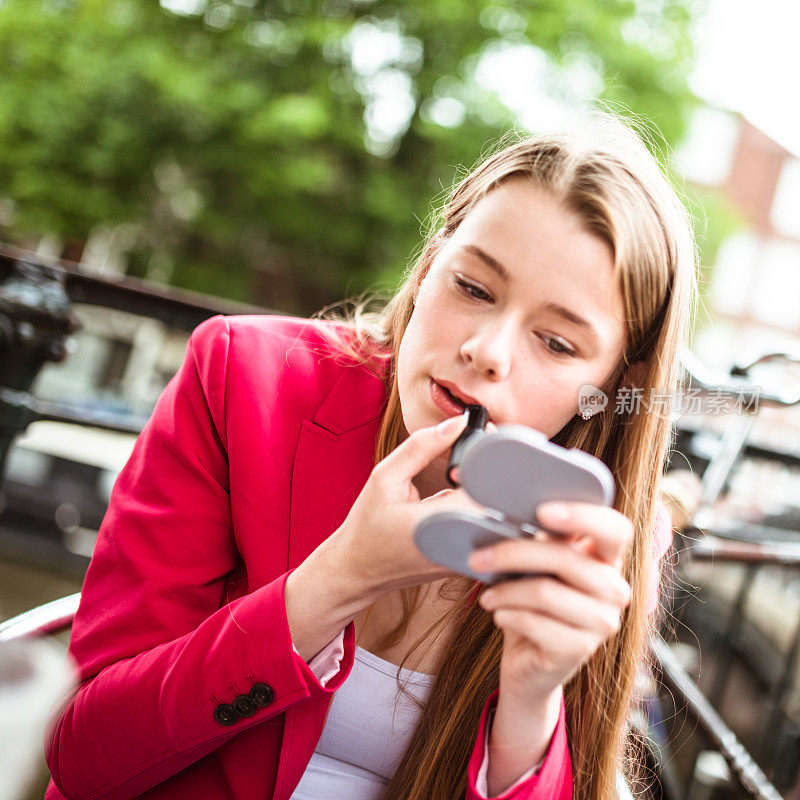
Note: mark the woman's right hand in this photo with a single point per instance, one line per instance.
(375, 544)
(373, 550)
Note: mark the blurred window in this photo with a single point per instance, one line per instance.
(786, 204)
(117, 355)
(736, 259)
(27, 466)
(758, 278)
(706, 154)
(777, 287)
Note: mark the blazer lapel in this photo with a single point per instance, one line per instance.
(334, 458)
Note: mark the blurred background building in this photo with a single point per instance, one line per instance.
(754, 284)
(750, 289)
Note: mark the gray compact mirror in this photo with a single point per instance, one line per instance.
(510, 471)
(516, 468)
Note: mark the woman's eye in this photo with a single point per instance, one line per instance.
(471, 289)
(557, 347)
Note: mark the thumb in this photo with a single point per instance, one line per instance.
(451, 500)
(423, 446)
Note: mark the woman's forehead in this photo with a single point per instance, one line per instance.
(522, 237)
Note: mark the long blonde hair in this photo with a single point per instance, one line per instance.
(606, 176)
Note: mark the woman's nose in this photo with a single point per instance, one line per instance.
(489, 349)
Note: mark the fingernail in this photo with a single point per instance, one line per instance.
(481, 559)
(553, 512)
(487, 597)
(451, 424)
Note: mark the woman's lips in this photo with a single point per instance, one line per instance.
(461, 397)
(444, 401)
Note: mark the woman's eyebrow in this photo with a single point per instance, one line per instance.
(570, 316)
(555, 308)
(490, 262)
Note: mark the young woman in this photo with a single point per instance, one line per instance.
(255, 592)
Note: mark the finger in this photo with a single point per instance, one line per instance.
(423, 446)
(451, 499)
(555, 641)
(455, 471)
(576, 569)
(557, 600)
(610, 531)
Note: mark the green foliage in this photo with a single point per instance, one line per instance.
(240, 141)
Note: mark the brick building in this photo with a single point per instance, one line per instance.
(754, 296)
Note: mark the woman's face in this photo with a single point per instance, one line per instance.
(518, 311)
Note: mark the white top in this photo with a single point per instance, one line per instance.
(369, 727)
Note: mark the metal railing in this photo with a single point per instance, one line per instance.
(37, 316)
(711, 540)
(45, 620)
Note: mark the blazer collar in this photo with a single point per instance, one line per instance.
(357, 397)
(334, 457)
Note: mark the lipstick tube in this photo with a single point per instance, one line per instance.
(476, 428)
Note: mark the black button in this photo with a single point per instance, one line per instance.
(225, 714)
(261, 694)
(244, 705)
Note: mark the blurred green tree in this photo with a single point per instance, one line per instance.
(285, 152)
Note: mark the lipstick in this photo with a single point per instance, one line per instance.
(475, 429)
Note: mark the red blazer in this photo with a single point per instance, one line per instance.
(255, 452)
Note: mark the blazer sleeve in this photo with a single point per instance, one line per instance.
(553, 779)
(159, 650)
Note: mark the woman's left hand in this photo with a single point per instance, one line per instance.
(555, 621)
